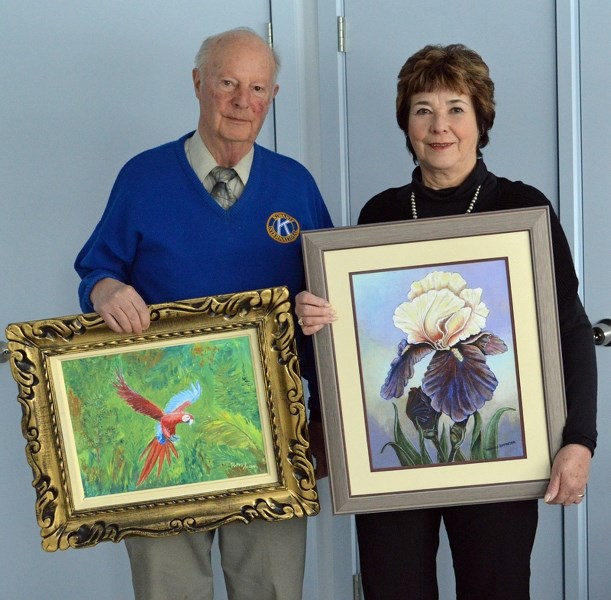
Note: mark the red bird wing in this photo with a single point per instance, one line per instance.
(181, 409)
(136, 401)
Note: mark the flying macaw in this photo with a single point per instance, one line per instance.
(161, 447)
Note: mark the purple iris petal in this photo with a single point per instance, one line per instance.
(459, 381)
(402, 368)
(488, 343)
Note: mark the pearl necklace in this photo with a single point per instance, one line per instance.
(469, 208)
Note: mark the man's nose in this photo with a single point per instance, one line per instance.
(241, 97)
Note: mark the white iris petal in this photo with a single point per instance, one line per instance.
(441, 311)
(437, 280)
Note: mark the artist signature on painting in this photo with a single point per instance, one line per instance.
(511, 443)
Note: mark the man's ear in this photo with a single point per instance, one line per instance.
(197, 80)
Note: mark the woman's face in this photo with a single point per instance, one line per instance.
(443, 131)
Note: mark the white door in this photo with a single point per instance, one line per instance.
(596, 159)
(85, 86)
(517, 38)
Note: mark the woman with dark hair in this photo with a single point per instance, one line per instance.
(445, 106)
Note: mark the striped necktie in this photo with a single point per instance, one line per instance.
(220, 191)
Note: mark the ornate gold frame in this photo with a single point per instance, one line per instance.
(265, 314)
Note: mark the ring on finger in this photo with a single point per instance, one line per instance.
(580, 495)
(300, 322)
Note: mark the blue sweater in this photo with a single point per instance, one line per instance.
(166, 236)
(162, 233)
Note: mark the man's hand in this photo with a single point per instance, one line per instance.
(569, 475)
(120, 305)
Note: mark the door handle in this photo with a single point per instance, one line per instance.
(4, 352)
(602, 332)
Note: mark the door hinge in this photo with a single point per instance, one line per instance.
(270, 35)
(341, 34)
(356, 586)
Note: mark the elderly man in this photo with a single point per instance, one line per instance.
(210, 213)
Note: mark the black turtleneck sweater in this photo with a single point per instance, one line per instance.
(498, 193)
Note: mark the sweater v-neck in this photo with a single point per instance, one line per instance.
(253, 180)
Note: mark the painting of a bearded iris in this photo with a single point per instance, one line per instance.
(438, 365)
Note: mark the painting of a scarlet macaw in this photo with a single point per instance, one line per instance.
(112, 437)
(161, 448)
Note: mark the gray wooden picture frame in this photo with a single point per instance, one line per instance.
(332, 257)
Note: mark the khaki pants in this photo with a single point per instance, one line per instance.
(261, 561)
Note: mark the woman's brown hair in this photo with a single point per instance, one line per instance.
(454, 67)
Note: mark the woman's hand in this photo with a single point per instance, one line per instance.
(569, 477)
(313, 312)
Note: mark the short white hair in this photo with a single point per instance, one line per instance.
(210, 43)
